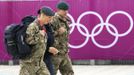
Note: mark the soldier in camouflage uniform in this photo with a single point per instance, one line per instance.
(36, 36)
(60, 26)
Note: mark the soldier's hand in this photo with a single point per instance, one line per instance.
(53, 50)
(42, 32)
(61, 30)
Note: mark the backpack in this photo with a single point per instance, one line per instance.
(14, 38)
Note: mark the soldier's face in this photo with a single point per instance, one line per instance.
(45, 19)
(63, 12)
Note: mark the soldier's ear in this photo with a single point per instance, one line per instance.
(38, 15)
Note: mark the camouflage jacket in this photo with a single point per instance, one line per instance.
(61, 40)
(37, 40)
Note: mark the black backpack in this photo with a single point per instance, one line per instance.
(15, 38)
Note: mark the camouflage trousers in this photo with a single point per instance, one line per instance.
(62, 63)
(33, 68)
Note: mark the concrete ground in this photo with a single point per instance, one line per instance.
(81, 70)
